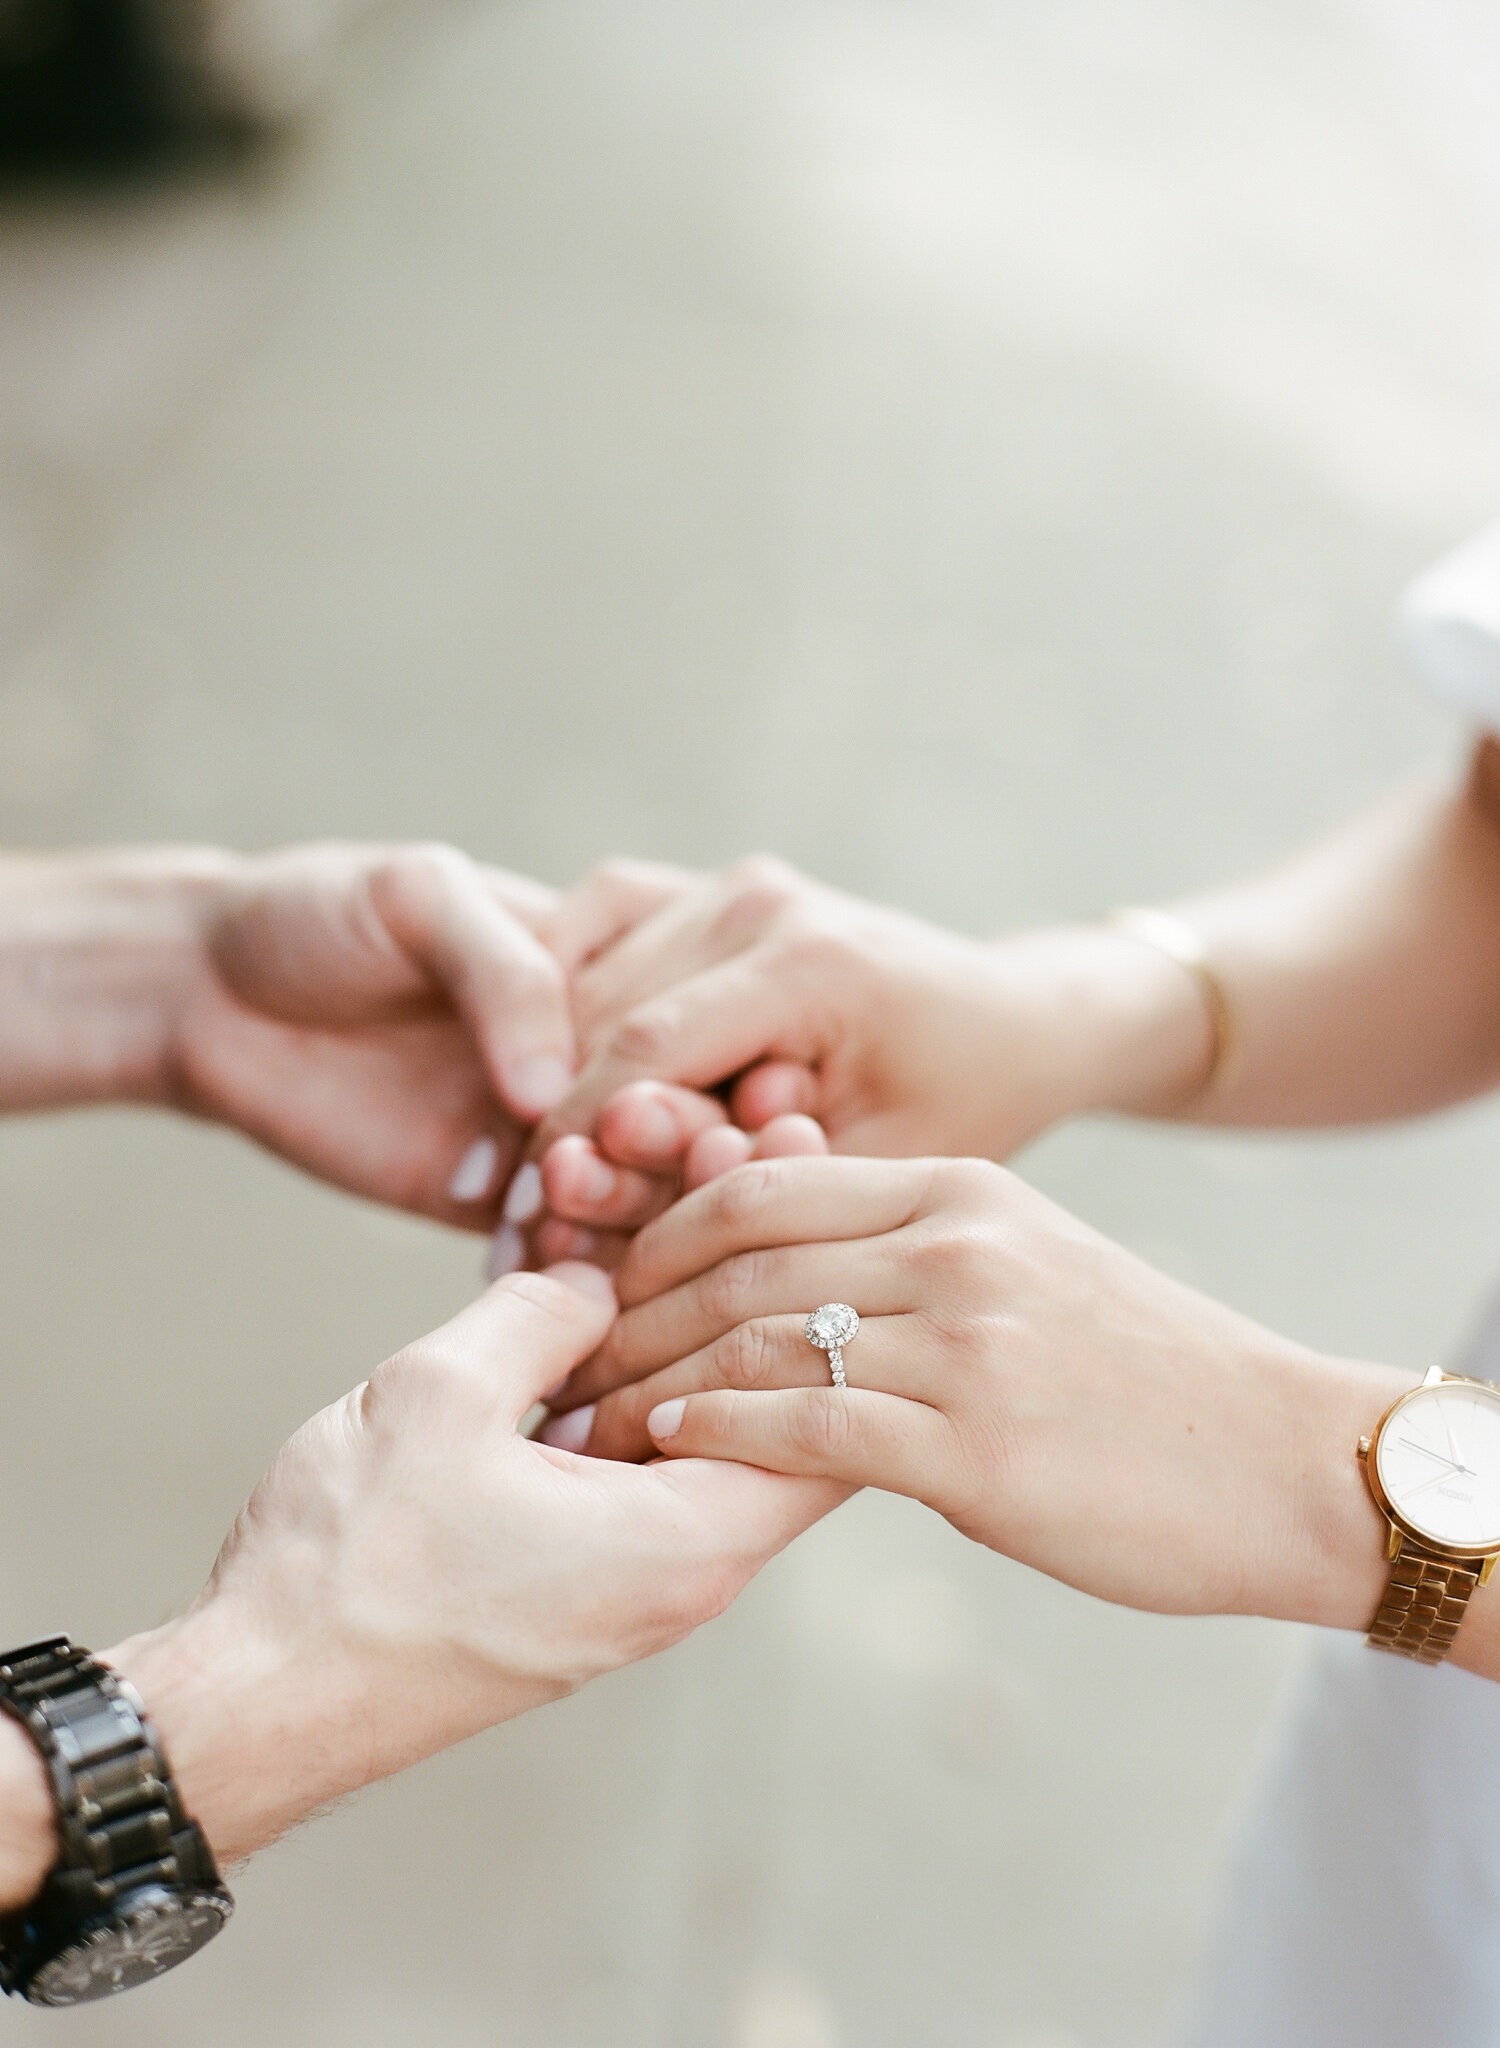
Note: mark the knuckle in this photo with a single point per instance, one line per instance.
(760, 889)
(540, 976)
(437, 1371)
(941, 1258)
(416, 875)
(820, 1426)
(747, 915)
(544, 1297)
(411, 889)
(430, 1358)
(746, 1359)
(738, 1200)
(611, 878)
(968, 1344)
(764, 871)
(646, 1037)
(811, 948)
(727, 1289)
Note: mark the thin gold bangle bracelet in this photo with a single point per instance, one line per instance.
(1165, 932)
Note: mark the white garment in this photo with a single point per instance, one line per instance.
(1451, 620)
(1361, 1907)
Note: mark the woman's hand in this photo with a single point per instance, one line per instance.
(587, 1196)
(384, 1016)
(896, 1036)
(1048, 1392)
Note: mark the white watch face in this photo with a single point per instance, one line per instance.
(1439, 1462)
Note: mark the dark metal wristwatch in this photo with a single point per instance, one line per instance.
(135, 1889)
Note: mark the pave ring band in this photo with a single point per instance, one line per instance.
(831, 1328)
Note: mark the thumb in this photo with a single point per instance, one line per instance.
(844, 1433)
(531, 1329)
(507, 987)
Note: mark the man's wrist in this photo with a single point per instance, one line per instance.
(249, 1745)
(28, 1833)
(261, 1731)
(98, 953)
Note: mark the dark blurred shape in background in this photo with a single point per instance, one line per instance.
(96, 86)
(100, 84)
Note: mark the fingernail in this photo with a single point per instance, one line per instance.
(539, 1083)
(569, 1432)
(507, 1253)
(590, 1280)
(666, 1419)
(475, 1171)
(525, 1196)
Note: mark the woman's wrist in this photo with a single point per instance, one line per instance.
(1339, 1534)
(1123, 1027)
(98, 954)
(1327, 1561)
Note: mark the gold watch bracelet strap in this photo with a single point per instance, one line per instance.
(1424, 1602)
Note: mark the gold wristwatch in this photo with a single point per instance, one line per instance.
(1433, 1466)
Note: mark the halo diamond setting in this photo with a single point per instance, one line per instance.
(831, 1327)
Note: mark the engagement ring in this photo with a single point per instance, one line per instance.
(831, 1328)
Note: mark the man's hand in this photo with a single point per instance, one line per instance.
(412, 1569)
(383, 1016)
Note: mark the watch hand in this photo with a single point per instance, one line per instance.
(1456, 1463)
(1411, 1445)
(1436, 1480)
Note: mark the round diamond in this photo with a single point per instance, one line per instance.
(833, 1324)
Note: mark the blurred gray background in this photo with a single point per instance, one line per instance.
(596, 426)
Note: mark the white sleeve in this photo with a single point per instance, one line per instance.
(1451, 621)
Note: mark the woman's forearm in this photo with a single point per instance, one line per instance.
(97, 951)
(1363, 975)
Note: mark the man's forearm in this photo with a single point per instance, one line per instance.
(97, 951)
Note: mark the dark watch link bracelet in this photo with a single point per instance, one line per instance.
(135, 1888)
